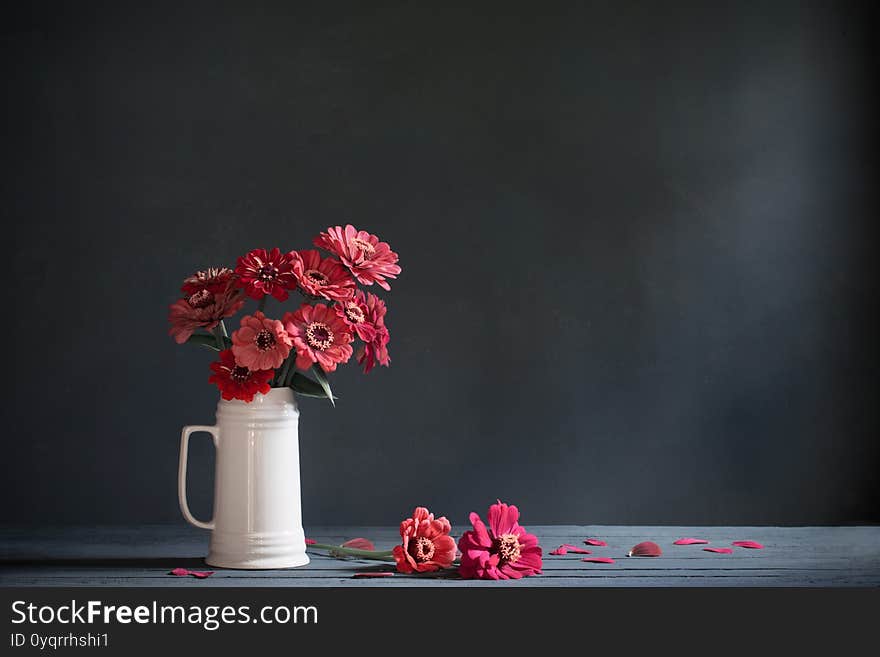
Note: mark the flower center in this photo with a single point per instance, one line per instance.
(265, 340)
(354, 313)
(317, 277)
(422, 549)
(201, 299)
(508, 548)
(267, 273)
(319, 336)
(368, 249)
(239, 374)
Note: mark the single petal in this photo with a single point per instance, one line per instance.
(201, 574)
(558, 552)
(179, 572)
(645, 549)
(752, 545)
(479, 535)
(596, 542)
(599, 560)
(578, 550)
(719, 550)
(690, 541)
(359, 544)
(310, 541)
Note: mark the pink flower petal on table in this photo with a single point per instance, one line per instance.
(310, 541)
(201, 574)
(359, 544)
(578, 550)
(365, 575)
(558, 552)
(645, 549)
(719, 550)
(595, 542)
(599, 560)
(690, 541)
(752, 545)
(179, 572)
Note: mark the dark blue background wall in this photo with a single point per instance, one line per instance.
(637, 244)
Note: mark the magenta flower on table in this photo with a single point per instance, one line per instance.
(503, 551)
(202, 309)
(369, 259)
(322, 277)
(319, 336)
(262, 272)
(261, 343)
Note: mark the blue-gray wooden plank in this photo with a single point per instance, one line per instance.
(143, 555)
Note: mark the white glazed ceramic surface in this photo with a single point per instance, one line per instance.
(257, 509)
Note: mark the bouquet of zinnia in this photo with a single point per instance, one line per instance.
(333, 315)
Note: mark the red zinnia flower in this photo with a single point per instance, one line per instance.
(237, 382)
(427, 545)
(354, 312)
(261, 273)
(370, 260)
(322, 277)
(505, 551)
(261, 343)
(213, 279)
(319, 336)
(202, 309)
(375, 350)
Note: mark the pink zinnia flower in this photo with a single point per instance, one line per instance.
(319, 336)
(427, 545)
(213, 279)
(368, 259)
(261, 273)
(375, 350)
(354, 312)
(202, 309)
(261, 343)
(322, 277)
(237, 382)
(505, 551)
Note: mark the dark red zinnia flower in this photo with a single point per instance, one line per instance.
(213, 279)
(261, 273)
(236, 382)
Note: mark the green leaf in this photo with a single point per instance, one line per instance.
(304, 386)
(208, 341)
(322, 380)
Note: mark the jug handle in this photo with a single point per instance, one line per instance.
(181, 472)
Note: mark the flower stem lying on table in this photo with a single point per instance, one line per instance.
(338, 550)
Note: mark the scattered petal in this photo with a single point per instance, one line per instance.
(599, 560)
(365, 575)
(578, 550)
(596, 542)
(201, 574)
(359, 544)
(719, 550)
(645, 549)
(558, 552)
(179, 572)
(752, 545)
(310, 541)
(691, 541)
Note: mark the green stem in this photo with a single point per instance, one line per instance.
(282, 377)
(223, 329)
(261, 305)
(384, 555)
(218, 335)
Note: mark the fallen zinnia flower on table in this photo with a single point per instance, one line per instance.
(690, 541)
(645, 549)
(752, 545)
(504, 551)
(599, 560)
(596, 542)
(719, 550)
(426, 544)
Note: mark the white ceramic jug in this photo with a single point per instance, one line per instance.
(257, 519)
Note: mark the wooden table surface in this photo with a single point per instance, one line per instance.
(143, 555)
